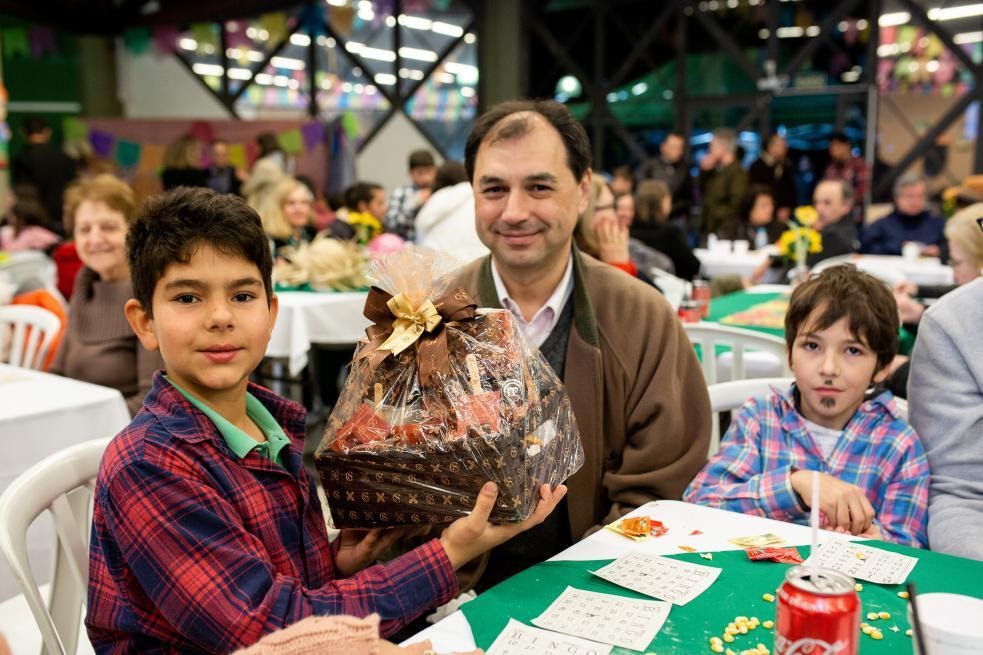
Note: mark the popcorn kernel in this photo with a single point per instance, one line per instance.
(877, 634)
(884, 615)
(768, 597)
(729, 638)
(866, 629)
(871, 616)
(903, 594)
(717, 648)
(768, 624)
(908, 632)
(858, 587)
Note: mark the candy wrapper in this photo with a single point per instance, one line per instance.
(441, 398)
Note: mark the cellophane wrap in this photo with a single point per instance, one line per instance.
(401, 447)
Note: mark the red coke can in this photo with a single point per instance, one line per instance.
(818, 613)
(701, 294)
(689, 311)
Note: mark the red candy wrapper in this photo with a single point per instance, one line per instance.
(780, 554)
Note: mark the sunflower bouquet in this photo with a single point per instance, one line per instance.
(366, 226)
(800, 239)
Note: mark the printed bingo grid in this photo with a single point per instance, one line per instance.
(520, 639)
(605, 618)
(863, 562)
(659, 577)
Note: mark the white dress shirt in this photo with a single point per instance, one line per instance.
(544, 320)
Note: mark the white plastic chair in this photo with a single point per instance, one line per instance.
(61, 484)
(29, 331)
(753, 354)
(726, 396)
(30, 266)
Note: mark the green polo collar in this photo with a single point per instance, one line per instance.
(238, 441)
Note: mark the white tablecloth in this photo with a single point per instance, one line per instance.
(454, 633)
(41, 414)
(719, 262)
(323, 318)
(924, 270)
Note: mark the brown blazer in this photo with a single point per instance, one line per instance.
(636, 388)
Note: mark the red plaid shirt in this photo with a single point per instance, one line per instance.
(197, 551)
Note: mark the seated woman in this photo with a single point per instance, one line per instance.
(598, 232)
(289, 220)
(182, 164)
(965, 247)
(758, 225)
(653, 201)
(99, 346)
(27, 228)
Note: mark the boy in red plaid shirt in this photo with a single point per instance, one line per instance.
(207, 531)
(842, 333)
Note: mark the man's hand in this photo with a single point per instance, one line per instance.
(360, 548)
(844, 505)
(909, 309)
(472, 535)
(906, 287)
(612, 241)
(932, 250)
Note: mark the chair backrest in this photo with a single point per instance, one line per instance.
(725, 396)
(29, 332)
(61, 484)
(740, 341)
(30, 266)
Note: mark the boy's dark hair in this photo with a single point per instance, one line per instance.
(360, 192)
(450, 173)
(421, 159)
(843, 290)
(498, 124)
(34, 125)
(171, 226)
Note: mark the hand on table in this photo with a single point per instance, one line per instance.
(612, 241)
(909, 309)
(844, 505)
(360, 548)
(906, 287)
(422, 648)
(932, 251)
(472, 535)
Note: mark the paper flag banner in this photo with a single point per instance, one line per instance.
(237, 155)
(102, 143)
(127, 153)
(137, 39)
(15, 42)
(350, 124)
(313, 134)
(151, 157)
(165, 39)
(312, 18)
(290, 141)
(74, 129)
(252, 152)
(276, 24)
(204, 34)
(42, 41)
(342, 19)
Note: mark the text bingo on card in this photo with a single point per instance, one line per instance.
(659, 577)
(521, 639)
(863, 562)
(605, 618)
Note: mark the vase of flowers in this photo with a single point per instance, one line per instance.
(366, 226)
(798, 241)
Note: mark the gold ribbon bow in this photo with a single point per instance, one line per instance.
(410, 323)
(397, 326)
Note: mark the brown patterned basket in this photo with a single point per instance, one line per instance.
(396, 452)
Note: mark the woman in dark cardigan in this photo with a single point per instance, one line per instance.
(652, 204)
(99, 346)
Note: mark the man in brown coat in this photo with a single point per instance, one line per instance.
(634, 381)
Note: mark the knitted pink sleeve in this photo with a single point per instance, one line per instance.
(325, 635)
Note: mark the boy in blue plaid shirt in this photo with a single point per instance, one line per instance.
(842, 333)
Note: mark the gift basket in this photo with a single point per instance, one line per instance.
(441, 398)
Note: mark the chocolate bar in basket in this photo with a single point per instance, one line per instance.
(410, 442)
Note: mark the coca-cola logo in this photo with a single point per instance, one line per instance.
(807, 646)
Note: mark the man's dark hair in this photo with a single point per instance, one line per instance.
(360, 192)
(840, 137)
(624, 172)
(865, 301)
(499, 124)
(34, 125)
(675, 133)
(421, 159)
(171, 226)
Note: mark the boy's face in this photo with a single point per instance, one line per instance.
(833, 370)
(211, 323)
(377, 206)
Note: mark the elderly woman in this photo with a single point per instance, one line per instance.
(99, 346)
(289, 219)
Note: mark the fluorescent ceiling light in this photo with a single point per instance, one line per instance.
(287, 62)
(418, 54)
(240, 73)
(415, 22)
(386, 79)
(300, 39)
(897, 18)
(953, 13)
(446, 29)
(188, 44)
(208, 69)
(967, 37)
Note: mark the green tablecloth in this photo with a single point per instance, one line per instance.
(724, 306)
(736, 592)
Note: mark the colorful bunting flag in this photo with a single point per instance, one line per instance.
(313, 133)
(42, 40)
(137, 39)
(15, 42)
(151, 157)
(102, 143)
(237, 155)
(342, 19)
(276, 24)
(349, 122)
(204, 34)
(74, 129)
(165, 39)
(313, 18)
(203, 131)
(127, 153)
